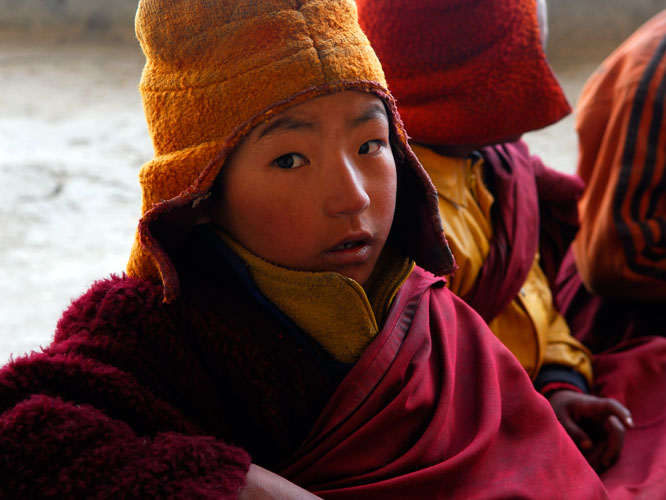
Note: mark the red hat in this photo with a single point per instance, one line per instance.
(464, 71)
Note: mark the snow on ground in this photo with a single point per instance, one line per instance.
(72, 140)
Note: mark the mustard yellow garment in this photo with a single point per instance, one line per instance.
(529, 326)
(334, 310)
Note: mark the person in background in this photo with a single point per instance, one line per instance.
(470, 78)
(619, 252)
(612, 283)
(283, 330)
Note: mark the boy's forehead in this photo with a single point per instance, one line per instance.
(354, 108)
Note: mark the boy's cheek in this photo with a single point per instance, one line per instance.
(277, 234)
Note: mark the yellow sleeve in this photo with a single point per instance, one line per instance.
(529, 326)
(556, 343)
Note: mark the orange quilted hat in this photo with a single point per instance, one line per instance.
(464, 71)
(216, 69)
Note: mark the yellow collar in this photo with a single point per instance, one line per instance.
(333, 309)
(453, 176)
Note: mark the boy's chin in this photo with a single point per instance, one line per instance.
(361, 276)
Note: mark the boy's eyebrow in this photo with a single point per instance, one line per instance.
(286, 123)
(373, 112)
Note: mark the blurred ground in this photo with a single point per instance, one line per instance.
(72, 139)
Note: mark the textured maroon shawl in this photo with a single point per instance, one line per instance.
(535, 209)
(428, 413)
(635, 374)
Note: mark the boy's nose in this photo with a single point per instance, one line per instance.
(345, 190)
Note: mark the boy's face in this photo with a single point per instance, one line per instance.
(314, 188)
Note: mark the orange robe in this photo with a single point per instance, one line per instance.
(620, 250)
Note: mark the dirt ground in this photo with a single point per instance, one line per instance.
(72, 140)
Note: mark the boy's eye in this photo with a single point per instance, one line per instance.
(291, 160)
(370, 147)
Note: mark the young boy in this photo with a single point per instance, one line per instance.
(274, 336)
(470, 78)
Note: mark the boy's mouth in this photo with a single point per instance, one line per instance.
(352, 243)
(351, 253)
(349, 245)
